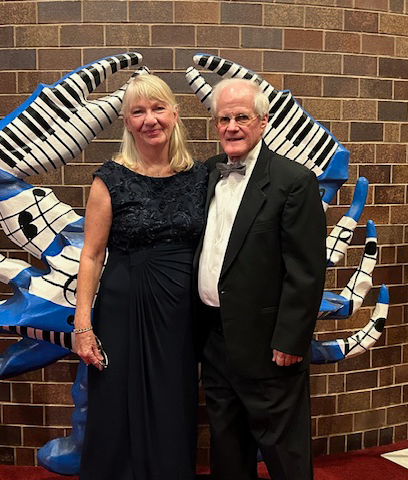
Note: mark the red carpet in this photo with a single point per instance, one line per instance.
(358, 465)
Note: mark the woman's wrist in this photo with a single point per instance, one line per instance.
(82, 330)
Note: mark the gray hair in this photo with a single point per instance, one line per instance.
(261, 101)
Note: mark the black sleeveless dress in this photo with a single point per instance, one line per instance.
(141, 422)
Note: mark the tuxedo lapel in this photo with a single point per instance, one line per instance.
(252, 201)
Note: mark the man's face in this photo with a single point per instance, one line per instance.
(237, 140)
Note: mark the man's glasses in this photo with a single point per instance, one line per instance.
(241, 119)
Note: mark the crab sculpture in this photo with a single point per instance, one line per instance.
(48, 130)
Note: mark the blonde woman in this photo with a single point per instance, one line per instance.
(147, 206)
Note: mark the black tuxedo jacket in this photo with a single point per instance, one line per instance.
(273, 273)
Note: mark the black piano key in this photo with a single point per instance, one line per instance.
(323, 155)
(68, 341)
(10, 149)
(54, 107)
(57, 339)
(29, 124)
(318, 145)
(302, 120)
(64, 100)
(285, 111)
(23, 331)
(303, 133)
(46, 335)
(123, 61)
(215, 61)
(85, 78)
(12, 329)
(113, 64)
(275, 107)
(40, 120)
(16, 139)
(7, 159)
(95, 73)
(71, 92)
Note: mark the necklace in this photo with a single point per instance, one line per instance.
(164, 172)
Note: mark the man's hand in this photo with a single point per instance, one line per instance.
(284, 359)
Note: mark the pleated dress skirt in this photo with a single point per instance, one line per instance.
(141, 422)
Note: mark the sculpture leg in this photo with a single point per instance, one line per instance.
(63, 455)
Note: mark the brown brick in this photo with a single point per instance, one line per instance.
(401, 371)
(23, 415)
(353, 402)
(393, 24)
(24, 456)
(184, 57)
(59, 12)
(248, 58)
(356, 21)
(17, 59)
(361, 152)
(401, 90)
(400, 173)
(340, 130)
(366, 132)
(36, 437)
(266, 38)
(386, 377)
(21, 392)
(159, 58)
(370, 419)
(10, 435)
(342, 42)
(324, 18)
(401, 46)
(388, 194)
(318, 384)
(302, 40)
(28, 81)
(359, 110)
(325, 405)
(372, 4)
(373, 88)
(284, 15)
(393, 111)
(220, 37)
(197, 12)
(340, 87)
(382, 357)
(397, 6)
(190, 107)
(53, 177)
(323, 109)
(303, 85)
(390, 153)
(319, 446)
(393, 67)
(58, 416)
(105, 11)
(283, 61)
(388, 275)
(202, 150)
(337, 444)
(98, 152)
(81, 35)
(61, 371)
(241, 13)
(59, 59)
(17, 13)
(360, 65)
(6, 37)
(354, 441)
(127, 35)
(8, 82)
(7, 456)
(203, 439)
(322, 63)
(378, 45)
(361, 380)
(370, 438)
(397, 335)
(399, 214)
(151, 12)
(52, 393)
(402, 254)
(78, 174)
(176, 35)
(5, 392)
(400, 433)
(334, 424)
(398, 293)
(391, 132)
(196, 128)
(397, 414)
(37, 36)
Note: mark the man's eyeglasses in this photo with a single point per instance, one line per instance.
(241, 119)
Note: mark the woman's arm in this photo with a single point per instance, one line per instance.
(98, 220)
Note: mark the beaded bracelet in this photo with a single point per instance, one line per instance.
(82, 330)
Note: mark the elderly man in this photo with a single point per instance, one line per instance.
(261, 268)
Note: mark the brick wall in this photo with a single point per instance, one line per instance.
(345, 61)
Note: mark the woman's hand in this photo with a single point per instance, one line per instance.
(87, 349)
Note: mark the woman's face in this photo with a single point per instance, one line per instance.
(151, 122)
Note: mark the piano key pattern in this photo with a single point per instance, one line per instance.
(291, 131)
(57, 122)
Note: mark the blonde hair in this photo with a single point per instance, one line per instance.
(152, 87)
(261, 101)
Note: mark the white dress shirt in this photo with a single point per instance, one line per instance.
(221, 216)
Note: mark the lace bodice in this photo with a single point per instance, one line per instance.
(149, 211)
